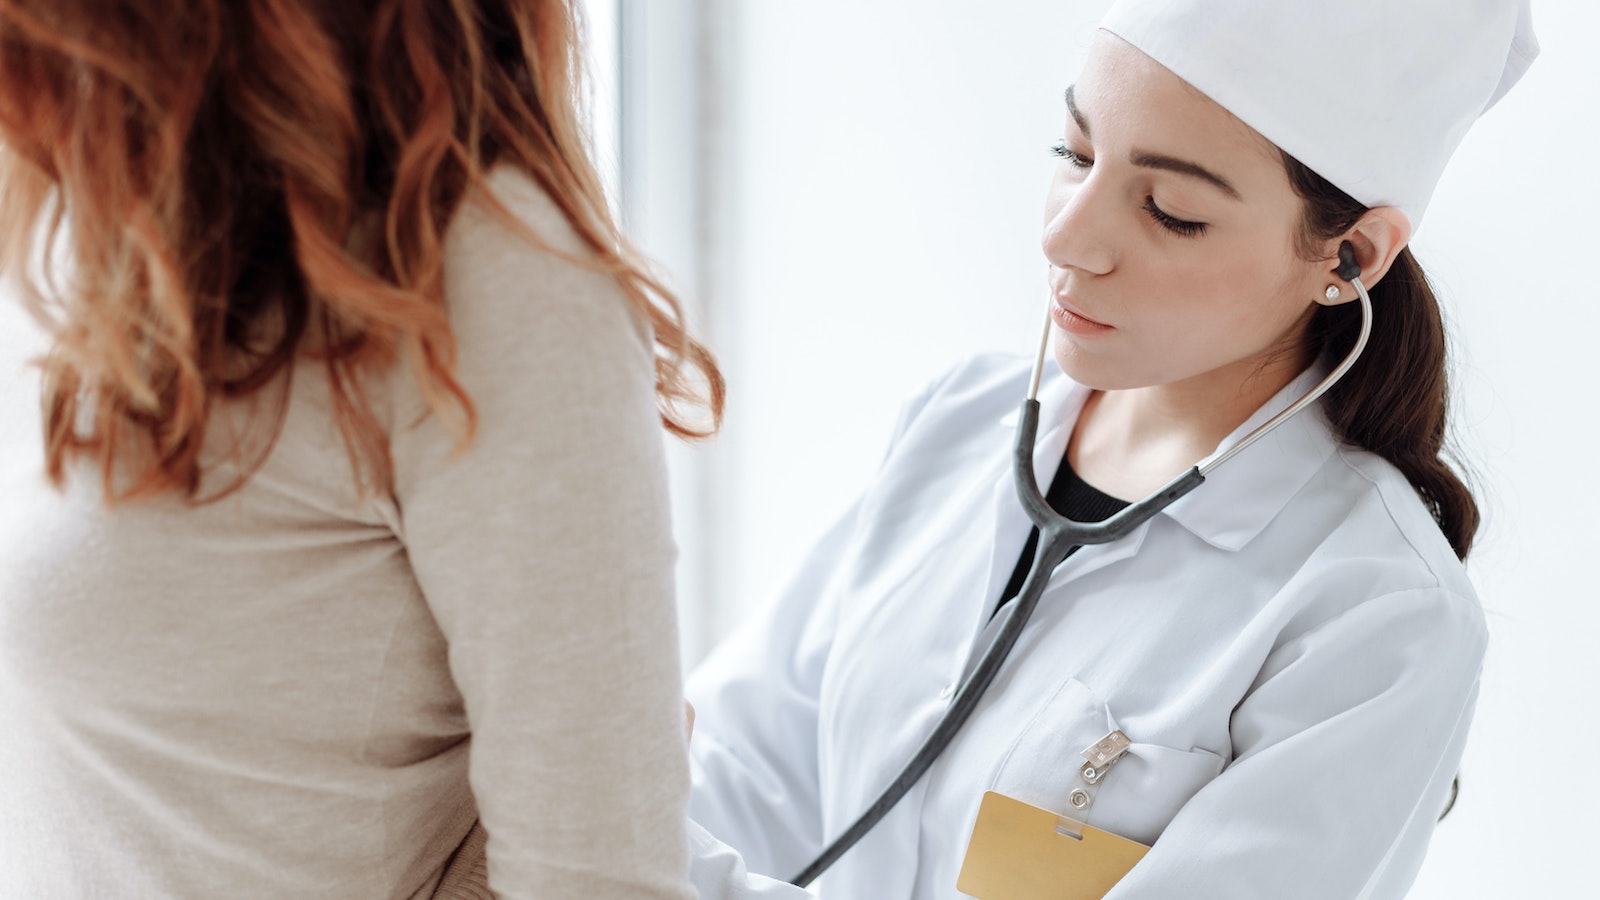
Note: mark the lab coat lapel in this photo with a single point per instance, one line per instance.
(1060, 400)
(1001, 529)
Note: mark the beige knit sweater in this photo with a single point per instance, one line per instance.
(298, 692)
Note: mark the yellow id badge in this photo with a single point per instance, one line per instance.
(1022, 852)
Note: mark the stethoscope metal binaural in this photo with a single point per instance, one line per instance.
(1059, 538)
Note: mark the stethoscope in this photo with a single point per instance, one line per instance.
(1059, 538)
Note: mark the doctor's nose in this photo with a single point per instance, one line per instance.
(1075, 232)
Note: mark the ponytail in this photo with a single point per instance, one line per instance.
(1394, 400)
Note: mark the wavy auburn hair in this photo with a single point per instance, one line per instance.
(228, 185)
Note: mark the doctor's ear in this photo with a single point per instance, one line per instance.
(1377, 240)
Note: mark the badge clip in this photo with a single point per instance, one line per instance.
(1102, 755)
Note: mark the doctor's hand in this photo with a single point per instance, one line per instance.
(688, 711)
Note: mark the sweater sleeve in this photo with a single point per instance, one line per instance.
(545, 554)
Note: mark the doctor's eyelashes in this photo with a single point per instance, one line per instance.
(1073, 158)
(1180, 227)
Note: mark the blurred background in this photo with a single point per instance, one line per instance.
(849, 195)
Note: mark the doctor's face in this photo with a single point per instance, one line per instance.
(1170, 229)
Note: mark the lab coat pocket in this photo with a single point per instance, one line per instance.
(1138, 796)
(1145, 790)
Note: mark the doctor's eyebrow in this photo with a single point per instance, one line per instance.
(1157, 160)
(1072, 107)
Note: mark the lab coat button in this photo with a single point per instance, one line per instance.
(948, 692)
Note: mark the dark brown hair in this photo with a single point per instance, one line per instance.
(205, 168)
(1395, 399)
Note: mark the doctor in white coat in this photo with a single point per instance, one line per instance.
(1292, 649)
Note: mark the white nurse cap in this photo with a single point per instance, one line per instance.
(1373, 95)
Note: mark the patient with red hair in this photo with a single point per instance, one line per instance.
(342, 565)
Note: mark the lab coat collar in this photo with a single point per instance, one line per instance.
(1238, 499)
(1245, 493)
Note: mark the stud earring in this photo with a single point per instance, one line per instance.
(1332, 293)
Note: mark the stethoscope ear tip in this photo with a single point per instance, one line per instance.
(1349, 269)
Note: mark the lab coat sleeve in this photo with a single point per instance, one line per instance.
(1344, 750)
(719, 873)
(753, 757)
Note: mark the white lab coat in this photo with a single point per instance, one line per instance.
(1293, 648)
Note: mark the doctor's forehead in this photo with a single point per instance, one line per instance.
(1129, 100)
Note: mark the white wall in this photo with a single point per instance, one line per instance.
(1511, 239)
(881, 186)
(884, 187)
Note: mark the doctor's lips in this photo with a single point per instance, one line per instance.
(1072, 319)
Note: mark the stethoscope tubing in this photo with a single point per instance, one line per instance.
(1059, 538)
